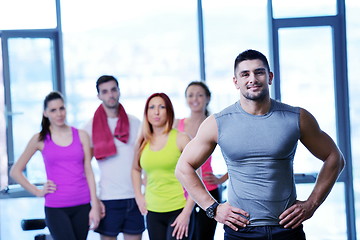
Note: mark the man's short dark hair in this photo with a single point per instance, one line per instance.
(251, 55)
(104, 79)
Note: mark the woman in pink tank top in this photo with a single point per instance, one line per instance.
(198, 97)
(70, 185)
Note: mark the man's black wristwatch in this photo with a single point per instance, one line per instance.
(211, 211)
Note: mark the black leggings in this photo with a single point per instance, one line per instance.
(158, 225)
(69, 223)
(204, 226)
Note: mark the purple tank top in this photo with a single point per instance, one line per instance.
(65, 167)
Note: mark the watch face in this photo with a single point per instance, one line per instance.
(210, 212)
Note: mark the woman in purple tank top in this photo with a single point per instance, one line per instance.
(70, 185)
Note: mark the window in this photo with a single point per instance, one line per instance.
(148, 51)
(230, 27)
(353, 49)
(157, 51)
(24, 14)
(310, 62)
(305, 8)
(308, 84)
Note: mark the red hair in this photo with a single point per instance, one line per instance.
(147, 130)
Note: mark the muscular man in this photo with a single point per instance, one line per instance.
(258, 137)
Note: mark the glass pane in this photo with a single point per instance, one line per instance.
(329, 220)
(304, 8)
(230, 27)
(353, 39)
(3, 153)
(30, 80)
(225, 36)
(24, 14)
(147, 50)
(307, 81)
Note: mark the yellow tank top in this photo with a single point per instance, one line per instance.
(164, 192)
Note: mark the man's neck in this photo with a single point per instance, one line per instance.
(256, 107)
(111, 112)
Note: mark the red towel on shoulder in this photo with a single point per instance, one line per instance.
(103, 139)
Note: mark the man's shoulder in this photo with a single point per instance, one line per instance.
(226, 111)
(280, 106)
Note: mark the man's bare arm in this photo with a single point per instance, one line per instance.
(194, 155)
(323, 147)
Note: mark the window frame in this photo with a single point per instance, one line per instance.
(338, 25)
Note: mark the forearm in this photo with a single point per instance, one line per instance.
(136, 181)
(20, 178)
(224, 178)
(189, 206)
(193, 185)
(16, 171)
(92, 186)
(326, 179)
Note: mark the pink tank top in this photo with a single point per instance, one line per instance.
(206, 167)
(65, 167)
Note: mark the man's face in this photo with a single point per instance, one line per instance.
(109, 94)
(253, 79)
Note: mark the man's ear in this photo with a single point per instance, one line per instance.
(236, 83)
(271, 76)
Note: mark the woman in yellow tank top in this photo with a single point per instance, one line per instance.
(168, 212)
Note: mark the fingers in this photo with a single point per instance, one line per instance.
(234, 221)
(143, 210)
(102, 210)
(210, 178)
(94, 218)
(181, 226)
(180, 230)
(231, 225)
(48, 187)
(51, 186)
(93, 225)
(96, 224)
(141, 203)
(231, 216)
(295, 215)
(292, 220)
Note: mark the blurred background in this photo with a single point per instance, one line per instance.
(160, 46)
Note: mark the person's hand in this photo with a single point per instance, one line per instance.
(102, 209)
(229, 215)
(181, 226)
(140, 201)
(48, 187)
(295, 215)
(94, 216)
(210, 178)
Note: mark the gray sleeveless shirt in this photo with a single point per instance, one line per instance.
(259, 152)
